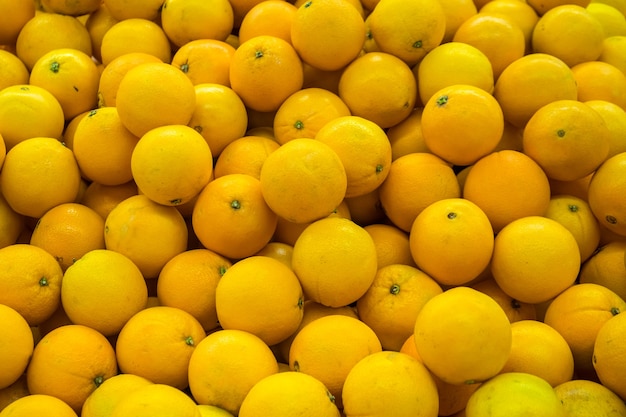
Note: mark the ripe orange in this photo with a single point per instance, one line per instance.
(392, 244)
(102, 401)
(610, 17)
(607, 183)
(406, 137)
(606, 267)
(163, 335)
(456, 12)
(155, 399)
(264, 71)
(77, 8)
(582, 397)
(613, 52)
(145, 9)
(102, 198)
(244, 155)
(69, 363)
(205, 61)
(514, 309)
(452, 240)
(335, 260)
(609, 360)
(184, 21)
(518, 13)
(14, 16)
(270, 17)
(507, 185)
(13, 70)
(17, 346)
(38, 404)
(11, 224)
(153, 95)
(615, 119)
(135, 35)
(98, 23)
(479, 327)
(599, 80)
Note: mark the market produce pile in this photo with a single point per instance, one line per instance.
(315, 208)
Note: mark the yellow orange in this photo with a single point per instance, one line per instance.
(583, 397)
(102, 401)
(609, 361)
(135, 35)
(17, 348)
(606, 183)
(185, 21)
(392, 244)
(13, 71)
(271, 17)
(153, 399)
(32, 404)
(599, 80)
(514, 309)
(615, 120)
(14, 16)
(606, 267)
(205, 61)
(244, 155)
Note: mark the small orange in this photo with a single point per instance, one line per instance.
(578, 313)
(519, 13)
(135, 35)
(11, 224)
(77, 8)
(38, 174)
(456, 12)
(212, 411)
(155, 399)
(380, 87)
(102, 198)
(479, 327)
(391, 304)
(37, 404)
(244, 155)
(507, 185)
(335, 260)
(280, 251)
(415, 181)
(13, 71)
(599, 80)
(303, 180)
(205, 61)
(535, 258)
(221, 355)
(220, 116)
(69, 363)
(163, 335)
(14, 16)
(184, 21)
(452, 240)
(609, 360)
(264, 71)
(514, 309)
(68, 231)
(613, 52)
(102, 401)
(611, 18)
(152, 95)
(98, 23)
(339, 33)
(17, 346)
(365, 209)
(462, 123)
(270, 17)
(606, 267)
(148, 233)
(583, 397)
(232, 218)
(406, 137)
(145, 9)
(103, 290)
(615, 120)
(543, 7)
(606, 183)
(392, 244)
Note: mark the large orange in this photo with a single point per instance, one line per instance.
(184, 21)
(135, 35)
(599, 80)
(13, 70)
(17, 346)
(271, 17)
(155, 399)
(519, 13)
(205, 61)
(102, 401)
(609, 360)
(583, 397)
(606, 183)
(36, 404)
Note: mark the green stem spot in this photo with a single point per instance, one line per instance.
(560, 133)
(221, 270)
(308, 4)
(92, 113)
(379, 168)
(442, 101)
(198, 129)
(296, 366)
(515, 304)
(185, 67)
(394, 289)
(615, 311)
(176, 201)
(55, 66)
(189, 341)
(235, 204)
(298, 125)
(258, 54)
(43, 282)
(331, 397)
(300, 303)
(97, 381)
(417, 44)
(573, 208)
(611, 219)
(452, 215)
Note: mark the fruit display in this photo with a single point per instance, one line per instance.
(315, 208)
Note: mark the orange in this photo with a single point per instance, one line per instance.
(456, 12)
(188, 282)
(613, 52)
(171, 164)
(135, 35)
(153, 95)
(599, 80)
(574, 213)
(408, 29)
(578, 314)
(219, 116)
(401, 384)
(37, 404)
(365, 209)
(244, 155)
(305, 112)
(155, 399)
(569, 32)
(303, 180)
(453, 63)
(315, 77)
(415, 181)
(615, 120)
(11, 224)
(68, 231)
(262, 296)
(609, 360)
(299, 393)
(264, 71)
(545, 6)
(380, 87)
(612, 20)
(113, 73)
(13, 70)
(606, 183)
(21, 104)
(462, 123)
(406, 137)
(335, 260)
(577, 188)
(535, 258)
(148, 233)
(348, 136)
(163, 335)
(145, 9)
(567, 138)
(69, 363)
(98, 23)
(212, 411)
(205, 61)
(507, 185)
(582, 397)
(38, 174)
(102, 198)
(531, 82)
(77, 8)
(102, 401)
(184, 21)
(519, 13)
(392, 244)
(279, 251)
(270, 17)
(606, 267)
(618, 4)
(452, 241)
(232, 218)
(103, 290)
(391, 304)
(14, 16)
(500, 39)
(221, 355)
(48, 31)
(339, 31)
(540, 350)
(103, 147)
(356, 3)
(329, 347)
(17, 346)
(514, 309)
(479, 327)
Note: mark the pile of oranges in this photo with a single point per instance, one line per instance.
(312, 207)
